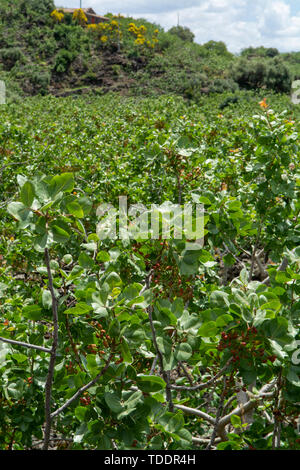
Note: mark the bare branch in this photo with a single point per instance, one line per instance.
(252, 403)
(25, 345)
(199, 440)
(83, 388)
(165, 374)
(218, 417)
(206, 384)
(186, 372)
(153, 365)
(193, 411)
(49, 381)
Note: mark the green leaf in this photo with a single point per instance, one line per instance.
(113, 280)
(150, 383)
(98, 306)
(61, 183)
(80, 309)
(293, 375)
(47, 299)
(85, 204)
(236, 421)
(103, 256)
(249, 376)
(27, 194)
(59, 233)
(85, 261)
(223, 320)
(276, 329)
(125, 351)
(80, 412)
(19, 212)
(219, 299)
(208, 329)
(183, 352)
(113, 402)
(19, 357)
(32, 312)
(272, 305)
(74, 208)
(40, 242)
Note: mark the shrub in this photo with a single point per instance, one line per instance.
(63, 60)
(260, 52)
(40, 79)
(11, 56)
(217, 47)
(221, 85)
(183, 32)
(278, 76)
(268, 73)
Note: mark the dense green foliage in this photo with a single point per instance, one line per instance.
(150, 316)
(40, 55)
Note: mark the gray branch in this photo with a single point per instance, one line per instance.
(25, 345)
(82, 389)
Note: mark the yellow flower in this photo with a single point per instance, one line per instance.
(57, 15)
(80, 16)
(103, 38)
(140, 41)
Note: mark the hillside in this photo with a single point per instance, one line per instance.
(41, 54)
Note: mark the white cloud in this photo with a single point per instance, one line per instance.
(239, 23)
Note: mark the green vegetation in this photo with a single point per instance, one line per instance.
(135, 342)
(155, 341)
(44, 51)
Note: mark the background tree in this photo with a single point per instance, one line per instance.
(183, 32)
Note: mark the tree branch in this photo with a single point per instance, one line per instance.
(193, 411)
(206, 384)
(25, 345)
(83, 388)
(165, 374)
(252, 403)
(218, 417)
(49, 381)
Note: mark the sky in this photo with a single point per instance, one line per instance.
(239, 23)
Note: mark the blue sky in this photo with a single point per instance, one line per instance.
(239, 23)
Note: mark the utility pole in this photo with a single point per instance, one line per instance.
(80, 3)
(178, 19)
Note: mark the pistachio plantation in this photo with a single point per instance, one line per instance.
(145, 343)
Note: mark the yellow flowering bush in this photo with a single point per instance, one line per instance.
(80, 17)
(140, 35)
(109, 33)
(57, 15)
